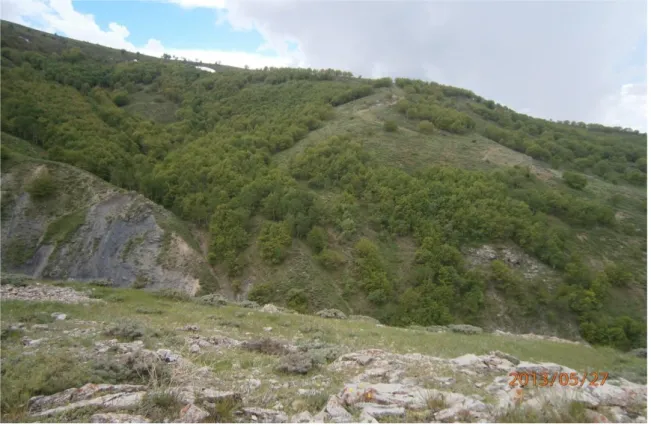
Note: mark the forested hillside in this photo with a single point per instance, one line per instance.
(410, 201)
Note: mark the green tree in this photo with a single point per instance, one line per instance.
(274, 241)
(575, 180)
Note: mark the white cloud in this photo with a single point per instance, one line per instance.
(561, 60)
(211, 4)
(627, 107)
(59, 16)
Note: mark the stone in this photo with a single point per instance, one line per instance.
(269, 308)
(331, 313)
(59, 316)
(366, 418)
(114, 418)
(267, 329)
(595, 417)
(214, 396)
(73, 395)
(361, 359)
(194, 348)
(113, 401)
(253, 383)
(167, 356)
(266, 415)
(295, 363)
(465, 329)
(506, 356)
(337, 412)
(192, 414)
(378, 411)
(190, 328)
(303, 417)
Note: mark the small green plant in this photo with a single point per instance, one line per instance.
(390, 126)
(330, 259)
(173, 294)
(42, 186)
(160, 405)
(425, 126)
(128, 331)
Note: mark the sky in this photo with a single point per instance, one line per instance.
(561, 60)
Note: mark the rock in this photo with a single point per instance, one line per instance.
(337, 412)
(595, 417)
(167, 356)
(266, 415)
(378, 411)
(506, 356)
(269, 308)
(191, 328)
(73, 395)
(437, 328)
(267, 329)
(467, 360)
(465, 329)
(295, 363)
(331, 313)
(213, 299)
(41, 292)
(303, 417)
(619, 415)
(194, 348)
(639, 352)
(412, 397)
(41, 327)
(214, 396)
(28, 342)
(361, 359)
(253, 383)
(59, 316)
(248, 304)
(114, 418)
(192, 414)
(365, 418)
(113, 401)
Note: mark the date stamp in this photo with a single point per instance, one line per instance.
(564, 379)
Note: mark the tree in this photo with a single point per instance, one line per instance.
(575, 180)
(274, 241)
(425, 126)
(317, 238)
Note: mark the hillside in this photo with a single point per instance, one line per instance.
(408, 201)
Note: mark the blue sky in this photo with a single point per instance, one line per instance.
(561, 60)
(174, 26)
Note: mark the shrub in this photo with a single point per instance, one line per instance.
(121, 98)
(575, 180)
(173, 294)
(390, 126)
(425, 126)
(330, 260)
(42, 186)
(262, 293)
(317, 238)
(297, 300)
(128, 331)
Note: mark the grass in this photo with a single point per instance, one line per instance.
(61, 230)
(60, 367)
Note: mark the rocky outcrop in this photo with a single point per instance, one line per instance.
(92, 231)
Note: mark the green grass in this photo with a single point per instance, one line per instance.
(61, 230)
(152, 106)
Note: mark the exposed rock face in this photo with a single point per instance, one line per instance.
(93, 231)
(113, 418)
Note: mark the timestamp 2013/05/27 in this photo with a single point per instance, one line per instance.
(565, 379)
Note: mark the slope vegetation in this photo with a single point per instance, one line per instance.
(409, 201)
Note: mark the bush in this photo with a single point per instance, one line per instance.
(262, 293)
(213, 299)
(575, 180)
(274, 241)
(129, 331)
(618, 275)
(173, 294)
(317, 238)
(425, 126)
(330, 260)
(121, 99)
(297, 300)
(390, 126)
(41, 186)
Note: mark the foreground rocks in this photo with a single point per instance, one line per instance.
(381, 387)
(39, 292)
